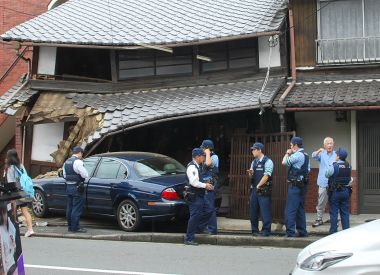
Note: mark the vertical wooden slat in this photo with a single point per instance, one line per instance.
(275, 146)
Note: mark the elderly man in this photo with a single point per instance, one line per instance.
(325, 156)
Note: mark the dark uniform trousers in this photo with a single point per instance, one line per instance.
(295, 217)
(211, 224)
(200, 213)
(340, 196)
(74, 207)
(339, 202)
(260, 204)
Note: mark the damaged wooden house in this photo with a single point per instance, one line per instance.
(156, 76)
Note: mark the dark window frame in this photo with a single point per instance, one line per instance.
(229, 48)
(154, 56)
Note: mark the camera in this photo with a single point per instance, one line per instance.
(9, 191)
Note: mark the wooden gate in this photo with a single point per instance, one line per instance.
(369, 166)
(241, 158)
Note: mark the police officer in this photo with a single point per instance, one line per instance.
(298, 172)
(74, 173)
(261, 171)
(200, 211)
(210, 170)
(339, 175)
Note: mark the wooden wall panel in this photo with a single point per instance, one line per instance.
(305, 30)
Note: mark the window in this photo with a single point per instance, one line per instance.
(349, 31)
(229, 55)
(123, 173)
(108, 169)
(82, 63)
(160, 166)
(150, 63)
(90, 164)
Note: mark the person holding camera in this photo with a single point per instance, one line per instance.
(199, 208)
(210, 171)
(261, 171)
(298, 164)
(75, 174)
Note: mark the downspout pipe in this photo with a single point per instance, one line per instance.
(281, 105)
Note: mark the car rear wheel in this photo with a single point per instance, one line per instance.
(39, 206)
(128, 216)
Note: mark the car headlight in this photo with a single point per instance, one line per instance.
(322, 260)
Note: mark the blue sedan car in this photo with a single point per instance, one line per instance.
(131, 186)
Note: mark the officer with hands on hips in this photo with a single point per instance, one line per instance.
(210, 172)
(199, 208)
(339, 175)
(261, 171)
(298, 165)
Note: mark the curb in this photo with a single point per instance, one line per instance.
(177, 238)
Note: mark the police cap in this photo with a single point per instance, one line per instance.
(296, 140)
(207, 143)
(197, 152)
(342, 153)
(258, 146)
(77, 149)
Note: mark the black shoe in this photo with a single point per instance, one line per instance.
(264, 234)
(80, 230)
(191, 243)
(317, 223)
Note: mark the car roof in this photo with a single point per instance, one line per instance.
(130, 155)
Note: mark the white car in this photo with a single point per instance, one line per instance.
(353, 251)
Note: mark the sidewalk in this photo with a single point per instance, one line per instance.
(232, 232)
(244, 226)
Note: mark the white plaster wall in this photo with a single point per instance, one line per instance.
(264, 53)
(313, 127)
(46, 138)
(46, 60)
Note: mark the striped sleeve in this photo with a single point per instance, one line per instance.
(268, 169)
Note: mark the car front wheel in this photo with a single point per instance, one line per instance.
(39, 206)
(128, 216)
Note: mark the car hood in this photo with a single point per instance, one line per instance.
(169, 180)
(359, 238)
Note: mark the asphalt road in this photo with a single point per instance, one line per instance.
(71, 256)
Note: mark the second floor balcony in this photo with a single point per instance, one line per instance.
(348, 50)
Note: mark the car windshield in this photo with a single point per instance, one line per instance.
(160, 166)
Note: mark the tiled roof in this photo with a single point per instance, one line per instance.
(133, 107)
(357, 91)
(17, 96)
(124, 110)
(134, 22)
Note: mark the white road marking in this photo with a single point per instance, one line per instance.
(92, 270)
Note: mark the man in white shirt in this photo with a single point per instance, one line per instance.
(75, 174)
(200, 210)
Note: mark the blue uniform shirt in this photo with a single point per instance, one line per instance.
(297, 159)
(268, 167)
(325, 160)
(214, 161)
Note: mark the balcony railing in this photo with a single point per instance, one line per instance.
(348, 50)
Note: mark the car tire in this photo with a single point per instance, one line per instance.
(128, 216)
(39, 205)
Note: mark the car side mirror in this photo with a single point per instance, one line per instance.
(126, 174)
